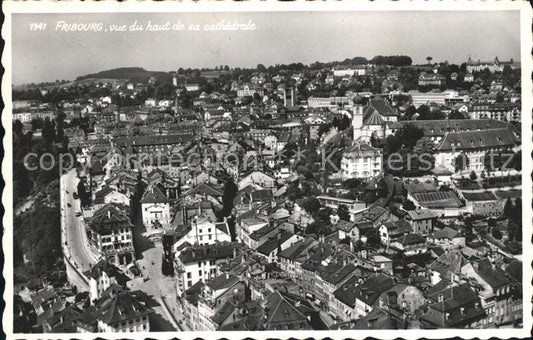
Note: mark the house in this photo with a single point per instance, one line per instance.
(391, 231)
(348, 230)
(356, 297)
(421, 220)
(454, 307)
(401, 296)
(292, 258)
(247, 226)
(361, 161)
(446, 238)
(110, 234)
(102, 276)
(468, 78)
(495, 291)
(285, 311)
(431, 79)
(117, 311)
(277, 243)
(109, 195)
(375, 214)
(447, 267)
(200, 263)
(249, 90)
(354, 206)
(202, 228)
(258, 178)
(190, 305)
(218, 296)
(410, 244)
(155, 208)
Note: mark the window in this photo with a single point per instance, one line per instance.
(189, 275)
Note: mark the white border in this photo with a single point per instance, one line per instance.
(526, 15)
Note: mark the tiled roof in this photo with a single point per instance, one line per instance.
(273, 242)
(436, 128)
(154, 195)
(207, 252)
(421, 214)
(381, 106)
(122, 306)
(284, 308)
(494, 277)
(494, 138)
(222, 281)
(109, 217)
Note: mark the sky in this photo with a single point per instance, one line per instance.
(279, 38)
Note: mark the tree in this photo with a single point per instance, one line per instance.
(461, 162)
(408, 205)
(496, 233)
(517, 210)
(515, 230)
(311, 205)
(261, 68)
(230, 191)
(343, 212)
(324, 214)
(473, 176)
(17, 128)
(508, 209)
(49, 131)
(456, 115)
(429, 59)
(424, 112)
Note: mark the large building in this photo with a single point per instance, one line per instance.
(155, 208)
(109, 232)
(498, 111)
(431, 79)
(373, 120)
(493, 66)
(474, 146)
(361, 161)
(201, 263)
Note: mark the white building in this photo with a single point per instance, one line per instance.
(155, 208)
(201, 263)
(361, 161)
(344, 72)
(205, 230)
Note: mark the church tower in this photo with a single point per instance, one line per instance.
(357, 122)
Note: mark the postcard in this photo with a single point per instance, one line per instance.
(267, 169)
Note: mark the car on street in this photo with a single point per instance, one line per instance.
(78, 214)
(75, 195)
(68, 205)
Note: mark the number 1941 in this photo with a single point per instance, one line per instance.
(37, 26)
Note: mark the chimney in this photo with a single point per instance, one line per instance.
(227, 275)
(351, 246)
(109, 214)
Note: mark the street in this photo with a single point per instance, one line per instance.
(75, 236)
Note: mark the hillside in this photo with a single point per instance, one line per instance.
(134, 74)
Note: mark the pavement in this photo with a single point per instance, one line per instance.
(76, 240)
(158, 286)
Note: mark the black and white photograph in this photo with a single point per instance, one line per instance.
(267, 170)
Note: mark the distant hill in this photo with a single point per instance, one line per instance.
(134, 74)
